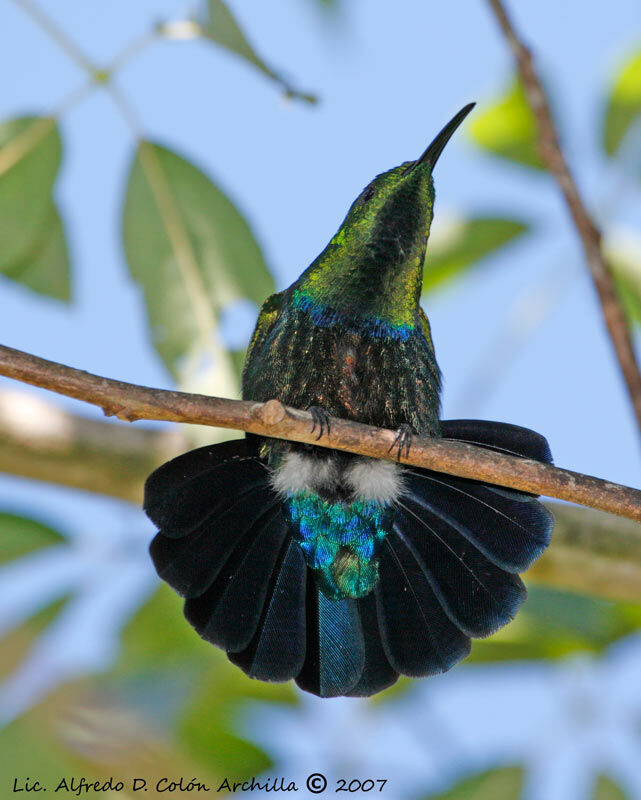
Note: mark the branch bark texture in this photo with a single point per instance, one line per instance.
(554, 160)
(130, 402)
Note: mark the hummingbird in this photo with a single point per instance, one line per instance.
(339, 571)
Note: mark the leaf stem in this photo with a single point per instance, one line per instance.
(30, 137)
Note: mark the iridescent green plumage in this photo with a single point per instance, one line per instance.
(354, 316)
(349, 336)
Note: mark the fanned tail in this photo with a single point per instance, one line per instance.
(448, 567)
(449, 571)
(225, 546)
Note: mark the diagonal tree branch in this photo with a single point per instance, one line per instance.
(590, 236)
(591, 552)
(131, 402)
(39, 440)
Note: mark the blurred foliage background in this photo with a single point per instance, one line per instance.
(101, 676)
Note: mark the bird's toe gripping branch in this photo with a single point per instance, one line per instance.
(321, 421)
(402, 442)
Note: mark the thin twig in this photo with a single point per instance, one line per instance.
(57, 34)
(589, 234)
(131, 402)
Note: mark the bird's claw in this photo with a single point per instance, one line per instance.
(320, 418)
(403, 441)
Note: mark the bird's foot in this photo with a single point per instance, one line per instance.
(402, 442)
(321, 420)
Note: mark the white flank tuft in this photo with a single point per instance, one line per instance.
(373, 479)
(302, 473)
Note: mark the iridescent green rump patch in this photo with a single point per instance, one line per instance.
(340, 541)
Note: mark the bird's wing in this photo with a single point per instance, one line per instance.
(425, 326)
(267, 317)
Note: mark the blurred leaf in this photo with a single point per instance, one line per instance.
(32, 751)
(553, 624)
(79, 732)
(21, 535)
(331, 6)
(508, 128)
(497, 784)
(559, 612)
(190, 249)
(159, 636)
(623, 252)
(607, 789)
(32, 242)
(623, 104)
(630, 297)
(238, 360)
(464, 244)
(221, 27)
(45, 268)
(159, 642)
(18, 641)
(203, 735)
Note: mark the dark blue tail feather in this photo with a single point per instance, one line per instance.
(227, 614)
(335, 645)
(277, 649)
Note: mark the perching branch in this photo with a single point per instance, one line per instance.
(131, 402)
(591, 552)
(589, 234)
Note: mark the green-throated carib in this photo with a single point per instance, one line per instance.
(341, 571)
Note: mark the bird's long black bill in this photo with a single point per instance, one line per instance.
(431, 155)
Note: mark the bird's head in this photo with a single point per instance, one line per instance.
(391, 217)
(376, 256)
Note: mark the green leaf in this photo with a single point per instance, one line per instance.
(238, 360)
(554, 624)
(157, 643)
(628, 291)
(33, 250)
(504, 783)
(607, 789)
(192, 252)
(33, 748)
(623, 252)
(21, 535)
(508, 128)
(460, 247)
(45, 269)
(623, 104)
(221, 27)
